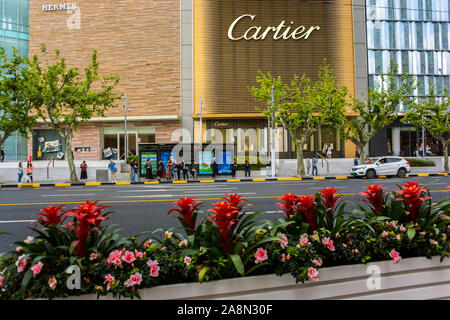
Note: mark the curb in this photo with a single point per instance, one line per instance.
(37, 185)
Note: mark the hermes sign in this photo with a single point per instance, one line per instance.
(59, 6)
(283, 31)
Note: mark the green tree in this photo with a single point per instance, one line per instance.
(65, 98)
(378, 109)
(303, 106)
(432, 114)
(15, 106)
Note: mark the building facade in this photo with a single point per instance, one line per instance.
(415, 34)
(14, 34)
(172, 54)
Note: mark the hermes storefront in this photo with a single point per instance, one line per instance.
(234, 39)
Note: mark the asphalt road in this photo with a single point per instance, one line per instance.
(139, 208)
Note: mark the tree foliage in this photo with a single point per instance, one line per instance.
(433, 115)
(65, 98)
(15, 106)
(378, 109)
(303, 106)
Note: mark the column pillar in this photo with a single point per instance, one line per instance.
(396, 147)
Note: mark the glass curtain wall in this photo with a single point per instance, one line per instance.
(415, 34)
(14, 33)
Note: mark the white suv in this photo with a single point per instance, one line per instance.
(385, 166)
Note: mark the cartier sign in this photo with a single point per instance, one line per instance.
(283, 31)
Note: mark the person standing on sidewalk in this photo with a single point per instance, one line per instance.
(20, 173)
(148, 170)
(234, 168)
(30, 169)
(160, 170)
(113, 169)
(268, 166)
(132, 169)
(247, 168)
(2, 153)
(83, 167)
(213, 166)
(308, 165)
(169, 170)
(185, 170)
(314, 166)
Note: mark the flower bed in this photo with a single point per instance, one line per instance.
(316, 232)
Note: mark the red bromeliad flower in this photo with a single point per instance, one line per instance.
(87, 217)
(223, 219)
(187, 208)
(288, 205)
(374, 197)
(51, 216)
(307, 205)
(236, 201)
(329, 198)
(412, 196)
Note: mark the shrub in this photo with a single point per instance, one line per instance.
(417, 162)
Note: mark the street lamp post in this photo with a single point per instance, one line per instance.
(125, 125)
(202, 107)
(272, 152)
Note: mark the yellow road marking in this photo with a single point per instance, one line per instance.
(63, 184)
(122, 183)
(259, 180)
(93, 183)
(151, 182)
(440, 174)
(289, 179)
(207, 181)
(423, 175)
(319, 178)
(161, 200)
(234, 180)
(382, 177)
(35, 185)
(179, 181)
(341, 178)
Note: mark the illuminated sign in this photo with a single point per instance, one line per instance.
(282, 31)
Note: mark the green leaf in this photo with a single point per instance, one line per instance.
(238, 263)
(202, 273)
(411, 233)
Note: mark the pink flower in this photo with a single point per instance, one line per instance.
(18, 249)
(187, 260)
(402, 228)
(325, 241)
(154, 268)
(52, 282)
(285, 257)
(317, 262)
(37, 268)
(135, 279)
(168, 234)
(21, 263)
(313, 274)
(384, 234)
(147, 243)
(109, 280)
(93, 256)
(29, 239)
(344, 245)
(355, 251)
(184, 243)
(139, 254)
(115, 258)
(1, 281)
(330, 245)
(304, 241)
(398, 237)
(284, 243)
(260, 255)
(433, 242)
(423, 233)
(128, 257)
(163, 249)
(395, 256)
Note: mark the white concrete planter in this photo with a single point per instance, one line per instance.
(412, 279)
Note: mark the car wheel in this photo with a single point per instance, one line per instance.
(401, 173)
(370, 174)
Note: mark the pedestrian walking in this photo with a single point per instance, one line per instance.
(268, 166)
(20, 173)
(2, 153)
(148, 170)
(172, 171)
(112, 168)
(329, 152)
(234, 168)
(213, 166)
(83, 167)
(160, 170)
(169, 169)
(355, 161)
(30, 169)
(314, 166)
(308, 165)
(193, 171)
(133, 168)
(178, 169)
(185, 170)
(247, 168)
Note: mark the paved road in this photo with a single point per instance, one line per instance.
(140, 208)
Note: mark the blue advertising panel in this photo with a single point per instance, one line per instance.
(205, 162)
(224, 166)
(165, 155)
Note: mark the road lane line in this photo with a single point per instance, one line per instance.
(16, 221)
(68, 195)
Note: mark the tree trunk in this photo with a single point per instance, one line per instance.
(300, 163)
(445, 145)
(362, 153)
(70, 160)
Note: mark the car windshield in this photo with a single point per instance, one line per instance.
(372, 160)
